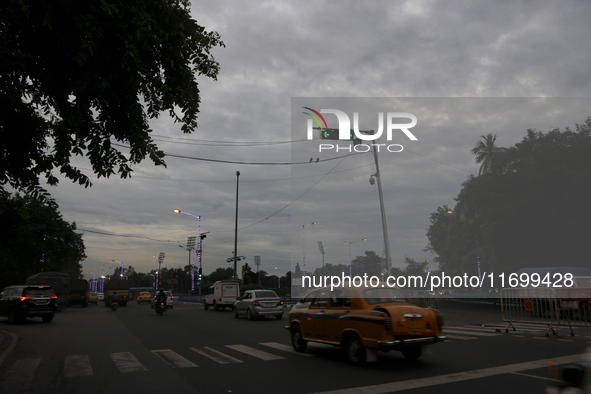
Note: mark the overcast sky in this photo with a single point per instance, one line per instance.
(457, 52)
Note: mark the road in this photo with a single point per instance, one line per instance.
(190, 350)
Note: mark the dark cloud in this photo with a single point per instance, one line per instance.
(277, 50)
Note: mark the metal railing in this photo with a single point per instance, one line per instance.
(547, 306)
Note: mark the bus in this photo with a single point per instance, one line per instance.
(121, 286)
(59, 282)
(79, 292)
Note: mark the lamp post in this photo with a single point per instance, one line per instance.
(350, 261)
(388, 265)
(93, 286)
(102, 282)
(304, 248)
(279, 280)
(236, 226)
(120, 273)
(198, 217)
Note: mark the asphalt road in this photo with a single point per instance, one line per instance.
(189, 350)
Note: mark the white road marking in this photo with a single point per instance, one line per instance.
(75, 366)
(126, 362)
(534, 376)
(459, 337)
(255, 352)
(173, 359)
(285, 348)
(455, 377)
(470, 332)
(216, 356)
(20, 375)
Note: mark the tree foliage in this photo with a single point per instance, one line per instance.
(35, 238)
(486, 151)
(78, 78)
(530, 209)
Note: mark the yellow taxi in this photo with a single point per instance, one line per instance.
(92, 298)
(365, 320)
(144, 296)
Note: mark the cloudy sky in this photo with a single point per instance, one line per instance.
(443, 60)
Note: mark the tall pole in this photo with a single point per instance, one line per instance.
(321, 251)
(383, 211)
(236, 226)
(304, 248)
(351, 261)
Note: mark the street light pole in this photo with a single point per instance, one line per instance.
(198, 217)
(93, 288)
(388, 265)
(304, 249)
(120, 273)
(236, 225)
(350, 261)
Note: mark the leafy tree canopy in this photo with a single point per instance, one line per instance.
(530, 210)
(79, 77)
(34, 237)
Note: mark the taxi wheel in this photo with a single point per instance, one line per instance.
(355, 350)
(249, 315)
(412, 353)
(299, 344)
(236, 313)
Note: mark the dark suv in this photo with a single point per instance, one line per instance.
(21, 302)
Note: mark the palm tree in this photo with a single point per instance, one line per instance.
(485, 152)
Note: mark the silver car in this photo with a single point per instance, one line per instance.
(258, 303)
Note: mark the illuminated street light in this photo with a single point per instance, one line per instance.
(120, 273)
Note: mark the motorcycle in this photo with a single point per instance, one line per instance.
(114, 306)
(160, 308)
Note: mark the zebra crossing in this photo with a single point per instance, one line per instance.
(76, 366)
(22, 372)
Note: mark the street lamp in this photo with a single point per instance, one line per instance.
(93, 286)
(120, 273)
(236, 226)
(279, 277)
(198, 217)
(350, 261)
(304, 249)
(372, 178)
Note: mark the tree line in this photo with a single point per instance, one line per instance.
(528, 207)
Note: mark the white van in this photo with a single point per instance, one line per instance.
(222, 294)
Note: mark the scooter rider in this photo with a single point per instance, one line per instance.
(114, 298)
(161, 298)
